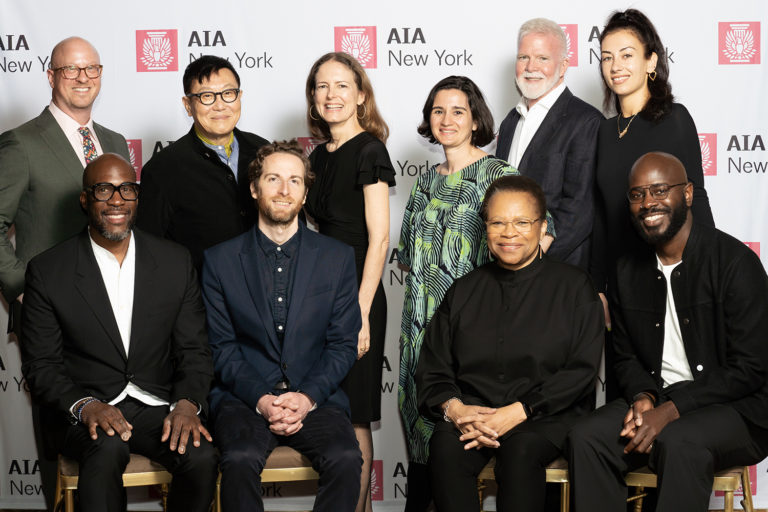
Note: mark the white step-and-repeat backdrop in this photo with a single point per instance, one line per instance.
(406, 48)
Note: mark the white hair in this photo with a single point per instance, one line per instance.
(543, 26)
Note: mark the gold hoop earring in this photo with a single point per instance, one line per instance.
(365, 111)
(310, 114)
(652, 75)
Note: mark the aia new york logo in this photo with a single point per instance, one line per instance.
(157, 50)
(571, 44)
(755, 246)
(708, 145)
(739, 43)
(377, 480)
(359, 42)
(134, 151)
(308, 144)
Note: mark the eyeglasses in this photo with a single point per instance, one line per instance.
(72, 72)
(209, 98)
(657, 190)
(104, 191)
(521, 225)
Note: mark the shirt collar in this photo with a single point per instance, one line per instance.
(67, 124)
(288, 247)
(545, 101)
(101, 253)
(227, 148)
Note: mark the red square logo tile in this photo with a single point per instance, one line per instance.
(359, 42)
(739, 42)
(708, 145)
(157, 50)
(572, 43)
(755, 246)
(134, 151)
(308, 144)
(377, 480)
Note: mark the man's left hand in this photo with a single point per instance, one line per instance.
(649, 425)
(300, 404)
(182, 421)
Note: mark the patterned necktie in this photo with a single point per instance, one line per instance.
(89, 148)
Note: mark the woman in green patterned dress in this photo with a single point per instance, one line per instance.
(442, 238)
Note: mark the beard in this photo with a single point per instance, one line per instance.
(535, 91)
(678, 216)
(102, 226)
(267, 212)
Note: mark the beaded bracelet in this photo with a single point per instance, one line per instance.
(82, 406)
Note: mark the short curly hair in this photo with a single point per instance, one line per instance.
(292, 147)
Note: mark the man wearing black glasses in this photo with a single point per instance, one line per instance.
(690, 325)
(195, 191)
(115, 349)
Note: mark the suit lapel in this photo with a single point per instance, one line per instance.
(144, 289)
(552, 122)
(305, 273)
(51, 133)
(91, 287)
(249, 257)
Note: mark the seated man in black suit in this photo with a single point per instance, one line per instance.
(690, 328)
(283, 318)
(114, 337)
(195, 191)
(551, 136)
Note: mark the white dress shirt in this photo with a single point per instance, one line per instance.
(529, 122)
(69, 126)
(674, 363)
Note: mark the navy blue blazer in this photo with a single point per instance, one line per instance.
(320, 342)
(562, 158)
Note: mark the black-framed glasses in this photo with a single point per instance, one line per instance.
(657, 190)
(104, 191)
(521, 225)
(72, 72)
(209, 98)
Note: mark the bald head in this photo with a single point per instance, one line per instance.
(664, 165)
(69, 45)
(106, 164)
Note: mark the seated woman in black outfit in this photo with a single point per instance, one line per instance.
(509, 360)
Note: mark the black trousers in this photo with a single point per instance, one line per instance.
(326, 438)
(520, 469)
(103, 461)
(685, 456)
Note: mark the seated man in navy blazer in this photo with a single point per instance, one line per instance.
(283, 319)
(115, 352)
(551, 136)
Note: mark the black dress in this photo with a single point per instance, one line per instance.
(614, 234)
(336, 202)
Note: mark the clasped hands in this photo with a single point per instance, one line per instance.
(644, 422)
(285, 413)
(480, 426)
(177, 426)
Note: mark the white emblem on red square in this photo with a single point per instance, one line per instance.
(377, 480)
(308, 144)
(157, 50)
(572, 43)
(708, 145)
(134, 151)
(359, 42)
(755, 246)
(739, 43)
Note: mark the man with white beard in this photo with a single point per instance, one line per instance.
(551, 136)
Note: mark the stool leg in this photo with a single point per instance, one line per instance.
(164, 494)
(746, 486)
(728, 501)
(480, 488)
(69, 500)
(639, 501)
(565, 497)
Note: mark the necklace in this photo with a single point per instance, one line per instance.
(618, 125)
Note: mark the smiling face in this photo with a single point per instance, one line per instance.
(625, 67)
(451, 118)
(113, 219)
(659, 220)
(75, 96)
(512, 249)
(215, 122)
(280, 190)
(540, 65)
(336, 95)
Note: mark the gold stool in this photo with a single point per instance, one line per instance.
(557, 473)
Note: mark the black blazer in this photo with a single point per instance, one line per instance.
(190, 196)
(561, 157)
(72, 347)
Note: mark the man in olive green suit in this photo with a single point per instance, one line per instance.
(41, 173)
(42, 161)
